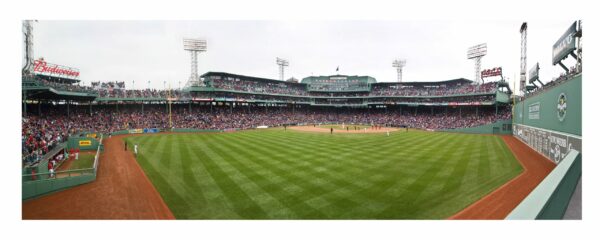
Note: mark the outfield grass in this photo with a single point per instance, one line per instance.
(86, 160)
(276, 174)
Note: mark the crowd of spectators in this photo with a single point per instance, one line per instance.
(260, 86)
(141, 93)
(475, 100)
(437, 90)
(67, 87)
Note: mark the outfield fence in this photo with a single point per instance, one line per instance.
(550, 199)
(38, 184)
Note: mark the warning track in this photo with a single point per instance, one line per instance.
(499, 203)
(121, 191)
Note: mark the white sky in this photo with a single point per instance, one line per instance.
(143, 51)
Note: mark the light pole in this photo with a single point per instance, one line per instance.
(282, 63)
(399, 64)
(194, 46)
(476, 53)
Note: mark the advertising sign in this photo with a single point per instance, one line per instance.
(151, 130)
(565, 44)
(139, 130)
(553, 145)
(534, 110)
(42, 67)
(534, 73)
(84, 143)
(491, 72)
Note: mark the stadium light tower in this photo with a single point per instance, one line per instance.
(476, 53)
(523, 56)
(282, 63)
(399, 64)
(28, 36)
(195, 46)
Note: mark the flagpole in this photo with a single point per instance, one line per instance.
(169, 100)
(514, 100)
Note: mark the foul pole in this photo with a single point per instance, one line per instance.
(169, 101)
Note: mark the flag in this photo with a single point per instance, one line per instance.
(337, 69)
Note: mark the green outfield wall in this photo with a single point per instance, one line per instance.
(499, 127)
(83, 143)
(557, 109)
(550, 122)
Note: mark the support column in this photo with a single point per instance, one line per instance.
(460, 112)
(190, 107)
(90, 108)
(432, 110)
(68, 108)
(40, 108)
(142, 107)
(477, 111)
(25, 103)
(496, 109)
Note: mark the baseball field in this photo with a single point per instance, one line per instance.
(277, 174)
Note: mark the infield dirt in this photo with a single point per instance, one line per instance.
(327, 130)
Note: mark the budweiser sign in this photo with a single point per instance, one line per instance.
(43, 67)
(491, 72)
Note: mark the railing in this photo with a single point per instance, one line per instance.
(96, 158)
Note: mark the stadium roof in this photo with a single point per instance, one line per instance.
(367, 79)
(458, 80)
(224, 74)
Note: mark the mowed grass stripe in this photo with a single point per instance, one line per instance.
(343, 163)
(331, 188)
(471, 189)
(274, 192)
(294, 178)
(343, 198)
(407, 205)
(243, 204)
(367, 155)
(453, 183)
(171, 197)
(195, 196)
(341, 176)
(217, 205)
